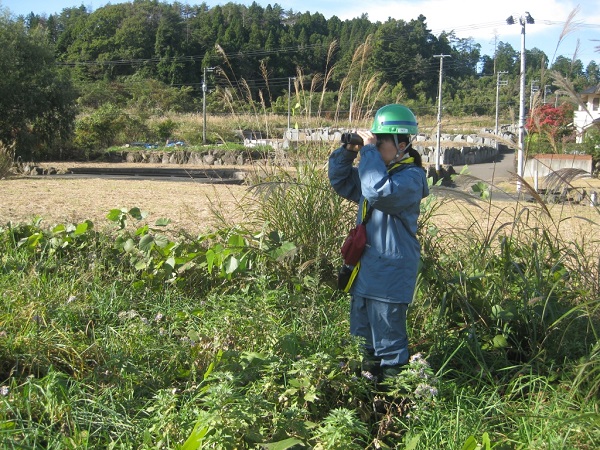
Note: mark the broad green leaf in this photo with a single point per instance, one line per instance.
(236, 240)
(114, 215)
(470, 443)
(161, 240)
(485, 441)
(311, 397)
(8, 425)
(500, 341)
(283, 251)
(194, 442)
(129, 245)
(162, 222)
(141, 264)
(210, 259)
(146, 243)
(412, 444)
(81, 228)
(142, 230)
(58, 229)
(282, 445)
(231, 265)
(136, 213)
(499, 313)
(32, 241)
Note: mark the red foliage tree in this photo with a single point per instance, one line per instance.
(551, 123)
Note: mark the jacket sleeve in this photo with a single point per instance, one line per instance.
(343, 176)
(391, 194)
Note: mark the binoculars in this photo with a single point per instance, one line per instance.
(352, 138)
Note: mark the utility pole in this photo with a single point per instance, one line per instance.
(524, 19)
(289, 98)
(439, 116)
(204, 89)
(534, 88)
(546, 90)
(498, 84)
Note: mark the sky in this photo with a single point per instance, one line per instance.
(484, 21)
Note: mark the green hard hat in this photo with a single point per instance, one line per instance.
(394, 119)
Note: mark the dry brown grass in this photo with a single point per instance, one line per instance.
(7, 156)
(190, 204)
(70, 200)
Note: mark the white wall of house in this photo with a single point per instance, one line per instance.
(585, 117)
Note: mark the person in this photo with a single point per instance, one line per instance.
(391, 179)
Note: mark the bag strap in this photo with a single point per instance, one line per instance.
(366, 213)
(352, 277)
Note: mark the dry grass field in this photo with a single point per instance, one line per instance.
(58, 199)
(191, 204)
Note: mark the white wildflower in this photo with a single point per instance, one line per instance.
(424, 390)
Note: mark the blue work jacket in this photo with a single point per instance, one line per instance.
(389, 265)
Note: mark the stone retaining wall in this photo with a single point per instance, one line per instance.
(213, 157)
(457, 149)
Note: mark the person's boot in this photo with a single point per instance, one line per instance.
(389, 372)
(370, 367)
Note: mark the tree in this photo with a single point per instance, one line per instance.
(404, 52)
(592, 73)
(506, 58)
(536, 58)
(169, 37)
(37, 98)
(551, 124)
(568, 67)
(572, 69)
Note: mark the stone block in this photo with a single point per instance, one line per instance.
(208, 159)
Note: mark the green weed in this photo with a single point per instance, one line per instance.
(141, 336)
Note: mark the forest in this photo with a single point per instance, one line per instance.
(157, 58)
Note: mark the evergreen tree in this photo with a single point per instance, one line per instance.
(37, 99)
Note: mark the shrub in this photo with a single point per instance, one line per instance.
(164, 130)
(7, 156)
(108, 125)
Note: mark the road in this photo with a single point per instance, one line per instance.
(493, 172)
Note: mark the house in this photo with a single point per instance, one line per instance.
(588, 116)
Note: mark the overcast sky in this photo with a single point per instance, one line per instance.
(481, 20)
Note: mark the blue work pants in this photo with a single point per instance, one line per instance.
(383, 326)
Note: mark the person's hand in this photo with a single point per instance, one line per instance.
(367, 137)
